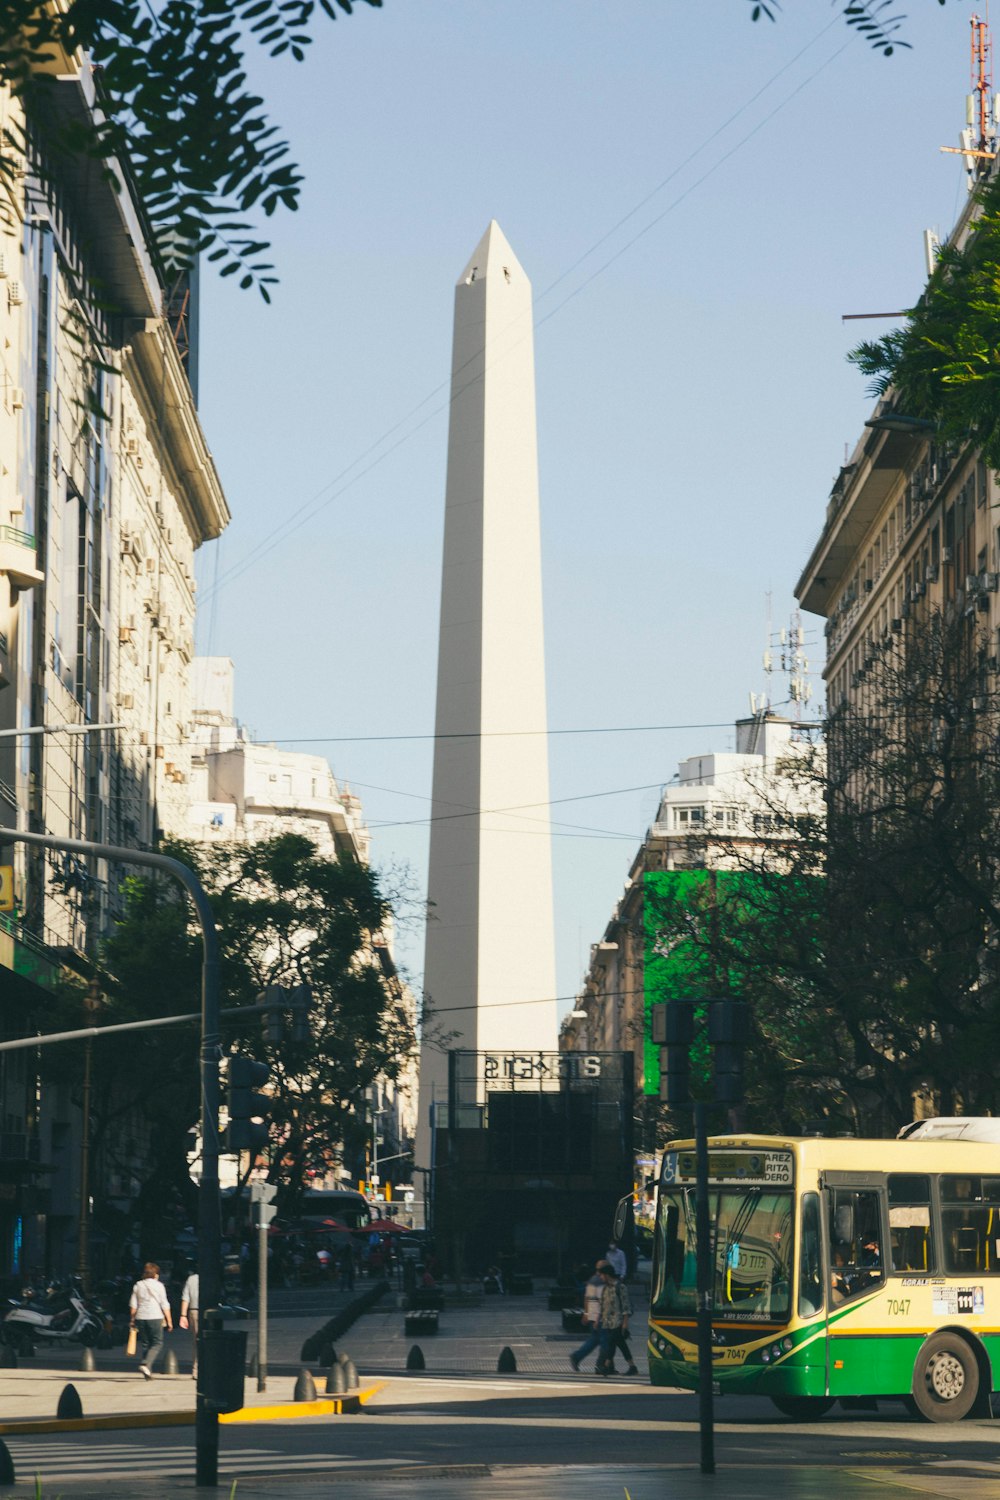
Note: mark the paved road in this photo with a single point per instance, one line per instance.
(460, 1431)
(445, 1434)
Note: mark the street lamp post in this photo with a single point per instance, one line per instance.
(209, 1215)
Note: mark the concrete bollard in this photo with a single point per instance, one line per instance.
(70, 1407)
(87, 1360)
(336, 1385)
(415, 1359)
(506, 1364)
(170, 1365)
(8, 1357)
(6, 1464)
(342, 1359)
(350, 1375)
(305, 1389)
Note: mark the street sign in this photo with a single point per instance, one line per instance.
(6, 887)
(263, 1192)
(263, 1213)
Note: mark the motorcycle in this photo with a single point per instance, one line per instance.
(63, 1316)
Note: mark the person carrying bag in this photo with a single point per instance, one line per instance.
(149, 1309)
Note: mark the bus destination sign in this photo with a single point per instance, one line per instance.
(746, 1168)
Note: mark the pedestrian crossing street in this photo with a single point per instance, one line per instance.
(56, 1459)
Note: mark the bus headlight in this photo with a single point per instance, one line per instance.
(788, 1345)
(765, 1355)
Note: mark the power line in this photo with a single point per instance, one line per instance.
(313, 506)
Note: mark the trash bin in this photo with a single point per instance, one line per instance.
(221, 1367)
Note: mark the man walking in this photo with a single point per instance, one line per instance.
(616, 1309)
(592, 1294)
(189, 1316)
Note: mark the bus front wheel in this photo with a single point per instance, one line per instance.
(803, 1408)
(945, 1379)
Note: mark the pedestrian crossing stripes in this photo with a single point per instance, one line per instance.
(63, 1460)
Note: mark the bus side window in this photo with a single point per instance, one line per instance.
(970, 1224)
(856, 1260)
(910, 1223)
(810, 1259)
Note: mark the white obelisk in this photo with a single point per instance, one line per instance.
(489, 973)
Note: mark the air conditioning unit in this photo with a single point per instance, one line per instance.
(132, 446)
(125, 634)
(946, 554)
(15, 293)
(150, 564)
(161, 519)
(989, 582)
(972, 583)
(16, 398)
(126, 700)
(897, 626)
(931, 573)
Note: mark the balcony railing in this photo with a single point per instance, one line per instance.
(17, 536)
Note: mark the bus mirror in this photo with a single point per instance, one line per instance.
(621, 1218)
(843, 1224)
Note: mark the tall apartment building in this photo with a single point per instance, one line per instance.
(107, 489)
(721, 811)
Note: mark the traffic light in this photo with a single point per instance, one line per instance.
(272, 1002)
(673, 1028)
(246, 1133)
(728, 1031)
(300, 1002)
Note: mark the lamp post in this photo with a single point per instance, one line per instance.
(209, 1215)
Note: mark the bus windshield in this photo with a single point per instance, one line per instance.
(751, 1253)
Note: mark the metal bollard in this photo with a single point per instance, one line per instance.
(70, 1406)
(87, 1360)
(170, 1365)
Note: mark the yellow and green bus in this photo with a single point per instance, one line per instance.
(843, 1269)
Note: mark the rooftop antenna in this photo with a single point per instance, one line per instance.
(786, 653)
(979, 138)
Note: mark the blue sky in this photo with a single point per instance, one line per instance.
(744, 186)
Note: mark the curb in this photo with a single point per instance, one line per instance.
(279, 1412)
(330, 1406)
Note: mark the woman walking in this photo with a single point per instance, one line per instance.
(149, 1309)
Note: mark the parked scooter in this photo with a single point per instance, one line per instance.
(62, 1316)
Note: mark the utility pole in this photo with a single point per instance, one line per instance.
(262, 1195)
(209, 1214)
(83, 1223)
(673, 1025)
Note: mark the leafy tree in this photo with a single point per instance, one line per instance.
(867, 17)
(878, 983)
(944, 362)
(285, 915)
(176, 107)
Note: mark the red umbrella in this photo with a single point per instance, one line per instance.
(383, 1226)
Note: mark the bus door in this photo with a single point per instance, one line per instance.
(856, 1250)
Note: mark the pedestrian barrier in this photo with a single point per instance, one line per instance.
(423, 1320)
(415, 1359)
(70, 1406)
(87, 1360)
(6, 1464)
(336, 1383)
(350, 1375)
(305, 1389)
(342, 1321)
(506, 1364)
